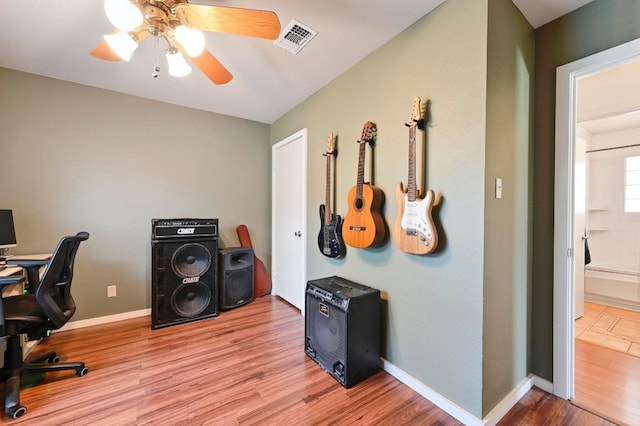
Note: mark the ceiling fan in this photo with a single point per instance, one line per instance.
(180, 24)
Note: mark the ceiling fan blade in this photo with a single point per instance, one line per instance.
(247, 22)
(104, 52)
(210, 66)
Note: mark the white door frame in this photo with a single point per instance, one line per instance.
(301, 134)
(567, 77)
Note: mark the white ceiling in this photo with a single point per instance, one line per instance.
(54, 38)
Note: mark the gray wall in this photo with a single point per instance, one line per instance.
(435, 307)
(78, 158)
(593, 28)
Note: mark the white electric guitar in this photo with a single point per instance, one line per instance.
(414, 231)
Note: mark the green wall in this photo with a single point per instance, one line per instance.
(76, 158)
(507, 220)
(436, 304)
(593, 28)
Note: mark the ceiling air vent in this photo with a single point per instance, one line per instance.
(295, 36)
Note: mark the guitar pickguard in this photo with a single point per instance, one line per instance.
(414, 220)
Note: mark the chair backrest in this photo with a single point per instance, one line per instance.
(54, 290)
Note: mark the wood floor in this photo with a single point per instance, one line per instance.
(246, 367)
(606, 381)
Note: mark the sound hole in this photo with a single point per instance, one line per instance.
(191, 260)
(189, 300)
(359, 203)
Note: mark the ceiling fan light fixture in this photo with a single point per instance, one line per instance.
(191, 39)
(122, 44)
(178, 66)
(123, 14)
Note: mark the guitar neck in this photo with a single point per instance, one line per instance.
(411, 181)
(360, 180)
(327, 202)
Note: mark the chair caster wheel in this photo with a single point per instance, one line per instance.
(17, 412)
(82, 371)
(54, 359)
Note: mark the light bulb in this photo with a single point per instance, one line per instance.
(123, 14)
(178, 67)
(122, 44)
(191, 39)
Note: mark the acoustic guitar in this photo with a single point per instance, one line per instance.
(363, 226)
(414, 231)
(330, 236)
(261, 280)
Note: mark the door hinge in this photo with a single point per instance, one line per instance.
(569, 252)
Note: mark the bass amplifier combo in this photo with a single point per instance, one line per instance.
(342, 328)
(184, 270)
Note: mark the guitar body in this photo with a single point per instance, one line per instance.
(414, 230)
(261, 280)
(364, 226)
(330, 236)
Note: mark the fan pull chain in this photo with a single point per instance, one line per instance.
(156, 68)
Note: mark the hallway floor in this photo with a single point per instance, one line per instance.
(607, 381)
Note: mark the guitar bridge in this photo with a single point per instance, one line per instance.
(358, 228)
(412, 232)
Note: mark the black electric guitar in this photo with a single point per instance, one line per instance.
(414, 231)
(330, 236)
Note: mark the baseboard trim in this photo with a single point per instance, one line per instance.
(452, 408)
(541, 383)
(443, 403)
(507, 403)
(73, 325)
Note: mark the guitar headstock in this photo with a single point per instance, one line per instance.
(369, 132)
(416, 119)
(331, 149)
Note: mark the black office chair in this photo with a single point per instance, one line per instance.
(47, 307)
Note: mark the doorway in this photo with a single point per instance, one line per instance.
(288, 218)
(567, 241)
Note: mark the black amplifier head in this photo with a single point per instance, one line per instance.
(183, 228)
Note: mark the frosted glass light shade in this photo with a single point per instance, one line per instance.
(178, 67)
(191, 39)
(123, 14)
(122, 44)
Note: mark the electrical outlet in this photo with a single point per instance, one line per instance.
(111, 291)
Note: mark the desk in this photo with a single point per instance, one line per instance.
(18, 289)
(11, 289)
(33, 264)
(10, 270)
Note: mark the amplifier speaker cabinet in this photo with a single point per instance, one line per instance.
(342, 328)
(236, 277)
(184, 270)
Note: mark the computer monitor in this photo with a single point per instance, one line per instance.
(7, 232)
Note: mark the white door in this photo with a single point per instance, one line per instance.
(579, 233)
(567, 77)
(288, 218)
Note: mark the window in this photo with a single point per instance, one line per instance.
(632, 185)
